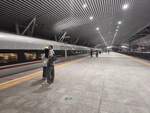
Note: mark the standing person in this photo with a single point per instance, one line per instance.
(97, 53)
(100, 52)
(91, 53)
(44, 60)
(50, 65)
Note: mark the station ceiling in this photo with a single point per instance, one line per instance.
(94, 22)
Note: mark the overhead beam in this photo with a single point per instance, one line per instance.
(140, 33)
(63, 37)
(98, 45)
(33, 26)
(32, 22)
(76, 41)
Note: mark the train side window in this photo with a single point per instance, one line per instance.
(30, 56)
(8, 58)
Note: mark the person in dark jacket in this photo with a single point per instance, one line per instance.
(44, 60)
(50, 65)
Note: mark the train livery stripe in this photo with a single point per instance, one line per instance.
(17, 65)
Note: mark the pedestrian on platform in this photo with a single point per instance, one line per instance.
(91, 53)
(48, 64)
(100, 52)
(51, 69)
(108, 51)
(44, 60)
(97, 53)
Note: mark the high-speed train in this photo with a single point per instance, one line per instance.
(20, 53)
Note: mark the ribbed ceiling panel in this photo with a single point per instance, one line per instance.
(70, 16)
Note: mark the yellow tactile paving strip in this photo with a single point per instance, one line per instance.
(20, 80)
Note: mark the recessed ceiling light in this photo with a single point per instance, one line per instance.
(84, 6)
(109, 47)
(91, 17)
(125, 6)
(119, 22)
(97, 28)
(117, 30)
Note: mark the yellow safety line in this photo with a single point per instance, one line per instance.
(20, 80)
(14, 82)
(138, 60)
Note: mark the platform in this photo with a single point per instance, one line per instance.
(112, 83)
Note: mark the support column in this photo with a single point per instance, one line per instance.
(66, 55)
(63, 37)
(17, 29)
(76, 41)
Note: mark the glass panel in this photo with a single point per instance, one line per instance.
(30, 56)
(8, 58)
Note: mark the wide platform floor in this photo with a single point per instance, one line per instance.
(112, 83)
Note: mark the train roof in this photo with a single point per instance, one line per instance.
(12, 41)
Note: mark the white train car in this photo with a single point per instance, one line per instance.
(21, 53)
(17, 42)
